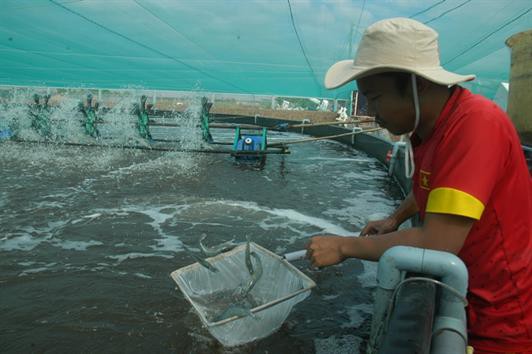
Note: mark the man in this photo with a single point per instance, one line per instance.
(471, 184)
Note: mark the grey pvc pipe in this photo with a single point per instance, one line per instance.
(297, 255)
(450, 333)
(294, 256)
(447, 266)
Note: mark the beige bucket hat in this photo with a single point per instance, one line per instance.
(396, 44)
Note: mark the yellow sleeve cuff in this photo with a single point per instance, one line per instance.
(454, 201)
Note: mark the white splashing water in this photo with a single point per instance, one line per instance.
(118, 127)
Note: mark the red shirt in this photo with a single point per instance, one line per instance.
(473, 165)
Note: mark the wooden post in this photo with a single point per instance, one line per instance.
(520, 94)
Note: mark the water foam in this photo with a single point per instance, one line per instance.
(28, 237)
(4, 199)
(347, 344)
(43, 268)
(357, 315)
(76, 245)
(118, 128)
(119, 258)
(289, 214)
(166, 241)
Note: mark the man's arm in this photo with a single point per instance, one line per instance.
(406, 210)
(442, 232)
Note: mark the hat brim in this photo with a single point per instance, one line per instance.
(344, 71)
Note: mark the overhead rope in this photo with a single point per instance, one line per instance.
(358, 21)
(427, 9)
(279, 151)
(354, 132)
(301, 45)
(148, 10)
(488, 35)
(47, 56)
(446, 12)
(164, 55)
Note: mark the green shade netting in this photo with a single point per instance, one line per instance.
(271, 47)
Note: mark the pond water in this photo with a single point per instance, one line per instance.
(89, 236)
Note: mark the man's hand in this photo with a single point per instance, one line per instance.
(379, 227)
(325, 250)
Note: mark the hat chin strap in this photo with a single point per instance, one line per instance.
(409, 151)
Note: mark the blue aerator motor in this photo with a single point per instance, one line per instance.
(245, 144)
(249, 143)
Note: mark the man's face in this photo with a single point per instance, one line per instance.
(393, 109)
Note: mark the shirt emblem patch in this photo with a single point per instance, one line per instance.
(424, 179)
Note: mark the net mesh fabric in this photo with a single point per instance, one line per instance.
(280, 287)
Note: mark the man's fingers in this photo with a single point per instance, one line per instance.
(309, 246)
(367, 231)
(379, 231)
(315, 264)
